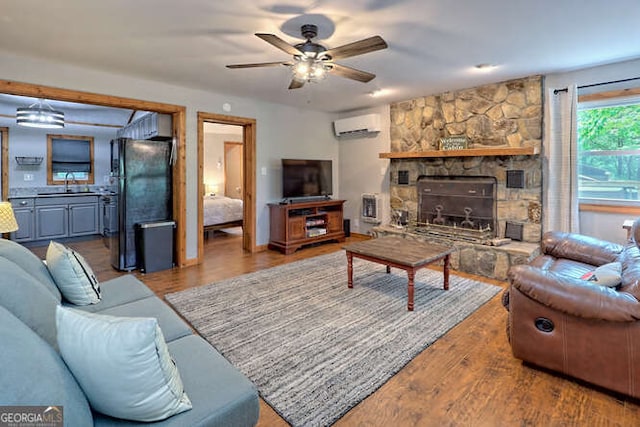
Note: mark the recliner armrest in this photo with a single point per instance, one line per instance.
(573, 296)
(577, 247)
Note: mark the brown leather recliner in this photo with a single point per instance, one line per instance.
(559, 321)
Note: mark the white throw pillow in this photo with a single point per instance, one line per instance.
(122, 364)
(608, 274)
(72, 274)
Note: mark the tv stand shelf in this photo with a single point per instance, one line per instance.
(295, 225)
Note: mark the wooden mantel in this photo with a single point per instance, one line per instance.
(468, 152)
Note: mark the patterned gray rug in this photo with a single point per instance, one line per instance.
(315, 348)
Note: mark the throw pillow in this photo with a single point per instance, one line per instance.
(609, 275)
(122, 364)
(72, 274)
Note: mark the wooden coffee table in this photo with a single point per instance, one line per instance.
(401, 253)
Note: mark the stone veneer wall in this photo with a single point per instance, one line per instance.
(500, 115)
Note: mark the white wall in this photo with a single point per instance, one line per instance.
(32, 142)
(603, 225)
(281, 131)
(362, 171)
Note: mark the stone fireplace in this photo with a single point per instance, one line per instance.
(498, 120)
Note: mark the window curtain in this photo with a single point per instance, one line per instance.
(70, 155)
(560, 162)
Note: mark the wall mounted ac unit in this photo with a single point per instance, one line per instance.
(368, 123)
(372, 208)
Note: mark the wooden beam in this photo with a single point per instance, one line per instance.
(469, 152)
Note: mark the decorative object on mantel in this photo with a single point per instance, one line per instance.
(40, 115)
(8, 223)
(28, 161)
(459, 142)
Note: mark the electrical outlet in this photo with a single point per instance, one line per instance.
(263, 171)
(356, 223)
(28, 177)
(106, 179)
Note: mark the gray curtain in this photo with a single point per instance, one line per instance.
(560, 162)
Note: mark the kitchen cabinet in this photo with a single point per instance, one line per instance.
(23, 211)
(51, 221)
(149, 126)
(66, 216)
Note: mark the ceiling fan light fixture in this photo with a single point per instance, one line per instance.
(40, 115)
(309, 70)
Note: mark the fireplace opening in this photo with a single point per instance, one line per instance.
(461, 207)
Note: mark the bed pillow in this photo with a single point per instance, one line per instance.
(73, 275)
(122, 364)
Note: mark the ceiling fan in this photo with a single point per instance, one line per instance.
(312, 61)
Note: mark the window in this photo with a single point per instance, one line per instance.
(609, 150)
(69, 157)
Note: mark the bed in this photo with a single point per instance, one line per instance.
(221, 212)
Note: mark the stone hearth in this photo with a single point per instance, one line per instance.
(484, 260)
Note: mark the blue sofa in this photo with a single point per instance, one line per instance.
(34, 373)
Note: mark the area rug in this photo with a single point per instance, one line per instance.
(315, 348)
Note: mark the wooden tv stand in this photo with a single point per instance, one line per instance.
(294, 225)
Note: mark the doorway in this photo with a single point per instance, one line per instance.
(247, 187)
(178, 114)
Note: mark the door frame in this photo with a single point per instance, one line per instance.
(178, 113)
(4, 158)
(249, 177)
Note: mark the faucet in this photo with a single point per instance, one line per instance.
(66, 181)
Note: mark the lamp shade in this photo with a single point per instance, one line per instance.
(8, 222)
(40, 115)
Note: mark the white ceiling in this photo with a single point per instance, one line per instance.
(433, 44)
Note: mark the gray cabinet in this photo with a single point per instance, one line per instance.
(149, 126)
(23, 211)
(51, 221)
(66, 216)
(83, 219)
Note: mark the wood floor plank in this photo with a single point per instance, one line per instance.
(466, 378)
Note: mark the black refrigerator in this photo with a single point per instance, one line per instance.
(143, 170)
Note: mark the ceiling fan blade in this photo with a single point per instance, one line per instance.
(352, 73)
(279, 43)
(260, 64)
(356, 48)
(296, 84)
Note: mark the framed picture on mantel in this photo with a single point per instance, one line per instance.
(459, 142)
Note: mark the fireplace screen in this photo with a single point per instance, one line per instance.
(460, 206)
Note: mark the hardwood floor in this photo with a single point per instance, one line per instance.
(466, 378)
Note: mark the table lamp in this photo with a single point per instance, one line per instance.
(8, 222)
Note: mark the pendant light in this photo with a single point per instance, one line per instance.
(40, 115)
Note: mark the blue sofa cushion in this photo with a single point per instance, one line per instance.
(30, 263)
(34, 374)
(28, 300)
(118, 291)
(172, 326)
(220, 394)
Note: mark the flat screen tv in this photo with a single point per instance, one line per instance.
(306, 178)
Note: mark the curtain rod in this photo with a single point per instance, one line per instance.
(556, 91)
